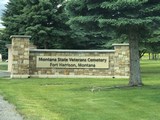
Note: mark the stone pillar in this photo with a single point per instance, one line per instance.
(20, 56)
(121, 60)
(0, 57)
(9, 57)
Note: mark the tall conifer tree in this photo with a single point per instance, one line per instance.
(130, 17)
(44, 20)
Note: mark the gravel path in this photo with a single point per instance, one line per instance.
(7, 111)
(4, 73)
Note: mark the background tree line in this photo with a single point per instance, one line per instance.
(45, 21)
(53, 24)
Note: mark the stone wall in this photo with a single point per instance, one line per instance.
(20, 56)
(25, 61)
(121, 60)
(0, 57)
(9, 46)
(70, 72)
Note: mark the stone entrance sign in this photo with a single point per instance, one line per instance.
(27, 61)
(72, 62)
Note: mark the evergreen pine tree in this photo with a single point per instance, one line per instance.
(44, 20)
(134, 18)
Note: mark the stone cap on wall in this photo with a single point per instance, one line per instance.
(62, 50)
(20, 36)
(122, 44)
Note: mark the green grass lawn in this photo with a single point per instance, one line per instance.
(73, 99)
(3, 66)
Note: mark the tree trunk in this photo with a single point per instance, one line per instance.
(156, 56)
(149, 56)
(135, 77)
(152, 56)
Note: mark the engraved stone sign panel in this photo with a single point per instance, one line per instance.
(72, 62)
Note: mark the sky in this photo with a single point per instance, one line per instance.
(2, 7)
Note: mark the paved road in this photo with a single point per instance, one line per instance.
(7, 111)
(4, 74)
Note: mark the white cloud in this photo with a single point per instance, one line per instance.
(2, 7)
(1, 26)
(4, 1)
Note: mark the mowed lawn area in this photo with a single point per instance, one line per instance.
(86, 99)
(3, 66)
